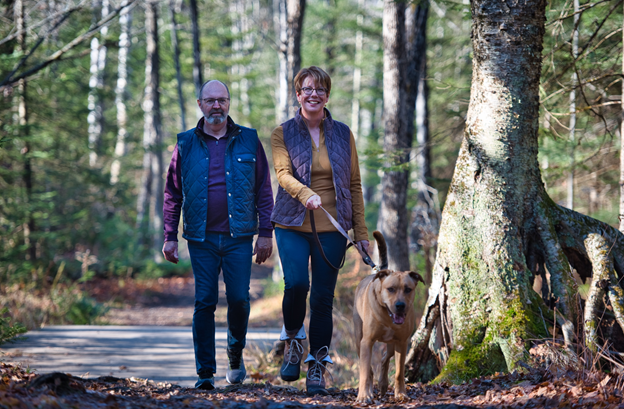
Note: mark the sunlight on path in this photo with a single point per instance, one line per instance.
(161, 354)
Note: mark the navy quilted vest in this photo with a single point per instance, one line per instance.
(288, 211)
(240, 179)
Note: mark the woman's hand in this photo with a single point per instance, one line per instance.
(314, 202)
(362, 245)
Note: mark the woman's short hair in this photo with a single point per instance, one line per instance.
(320, 77)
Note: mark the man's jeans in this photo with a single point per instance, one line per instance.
(208, 258)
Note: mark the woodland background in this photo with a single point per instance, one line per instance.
(94, 93)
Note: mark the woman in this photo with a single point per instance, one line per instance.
(316, 165)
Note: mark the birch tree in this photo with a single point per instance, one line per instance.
(500, 230)
(125, 22)
(96, 82)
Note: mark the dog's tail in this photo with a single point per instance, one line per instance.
(383, 249)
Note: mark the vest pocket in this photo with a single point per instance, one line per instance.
(246, 158)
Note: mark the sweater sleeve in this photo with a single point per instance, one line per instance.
(283, 169)
(172, 204)
(360, 230)
(264, 193)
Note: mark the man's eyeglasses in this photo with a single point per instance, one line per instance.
(319, 91)
(211, 101)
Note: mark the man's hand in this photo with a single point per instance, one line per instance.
(263, 249)
(362, 245)
(314, 202)
(170, 251)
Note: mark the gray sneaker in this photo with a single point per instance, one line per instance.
(236, 372)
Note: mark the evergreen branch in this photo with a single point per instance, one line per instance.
(93, 30)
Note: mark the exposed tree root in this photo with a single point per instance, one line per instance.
(558, 242)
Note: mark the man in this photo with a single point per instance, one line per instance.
(219, 176)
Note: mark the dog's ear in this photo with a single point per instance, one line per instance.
(381, 274)
(416, 277)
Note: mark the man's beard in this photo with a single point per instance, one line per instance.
(215, 120)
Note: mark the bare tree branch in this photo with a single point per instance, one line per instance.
(93, 30)
(63, 13)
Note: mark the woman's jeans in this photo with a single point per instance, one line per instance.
(295, 250)
(208, 258)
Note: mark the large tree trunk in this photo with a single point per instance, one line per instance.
(152, 184)
(500, 230)
(393, 220)
(125, 21)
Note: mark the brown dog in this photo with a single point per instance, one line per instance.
(383, 311)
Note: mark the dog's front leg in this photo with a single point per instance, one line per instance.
(365, 392)
(385, 364)
(399, 380)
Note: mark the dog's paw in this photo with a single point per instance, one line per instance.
(365, 398)
(400, 397)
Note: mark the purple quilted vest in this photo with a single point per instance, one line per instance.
(288, 211)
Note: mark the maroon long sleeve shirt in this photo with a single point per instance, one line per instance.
(217, 220)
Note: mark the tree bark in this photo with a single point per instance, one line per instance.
(281, 33)
(357, 75)
(425, 215)
(621, 216)
(295, 11)
(197, 67)
(23, 132)
(176, 60)
(393, 218)
(152, 184)
(125, 21)
(570, 181)
(499, 227)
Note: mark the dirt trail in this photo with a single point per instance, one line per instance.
(169, 302)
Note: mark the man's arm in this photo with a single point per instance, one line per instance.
(172, 207)
(264, 204)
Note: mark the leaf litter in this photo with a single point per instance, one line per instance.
(20, 388)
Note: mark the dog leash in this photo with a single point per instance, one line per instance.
(365, 257)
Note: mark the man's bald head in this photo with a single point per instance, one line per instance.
(201, 89)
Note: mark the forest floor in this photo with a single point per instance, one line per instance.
(169, 301)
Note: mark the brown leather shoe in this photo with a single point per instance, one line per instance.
(291, 366)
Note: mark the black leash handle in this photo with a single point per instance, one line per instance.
(318, 243)
(365, 257)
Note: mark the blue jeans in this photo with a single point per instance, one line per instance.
(296, 250)
(232, 255)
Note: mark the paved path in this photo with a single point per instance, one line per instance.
(162, 354)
